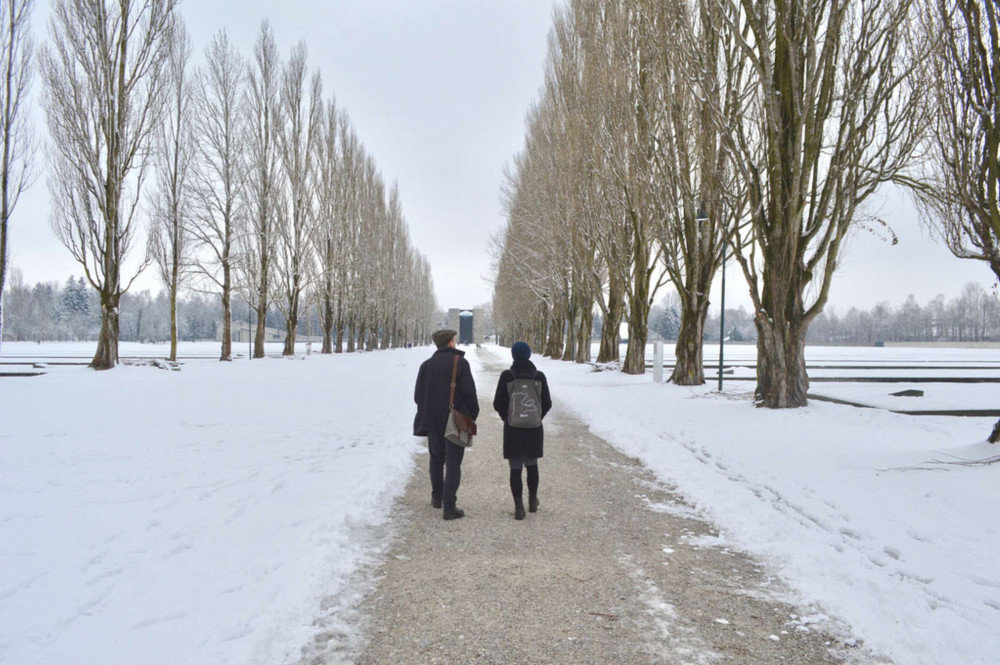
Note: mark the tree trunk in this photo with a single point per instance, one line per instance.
(340, 327)
(260, 335)
(557, 327)
(569, 352)
(3, 273)
(327, 326)
(364, 338)
(782, 381)
(583, 336)
(689, 351)
(537, 336)
(610, 339)
(106, 356)
(173, 316)
(350, 334)
(362, 331)
(388, 333)
(638, 319)
(635, 353)
(326, 323)
(227, 315)
(292, 327)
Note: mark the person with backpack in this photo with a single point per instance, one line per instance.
(432, 394)
(522, 399)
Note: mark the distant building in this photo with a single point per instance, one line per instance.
(468, 323)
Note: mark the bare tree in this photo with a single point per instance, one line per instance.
(957, 188)
(301, 116)
(371, 213)
(563, 243)
(171, 202)
(16, 132)
(263, 189)
(395, 243)
(349, 197)
(218, 174)
(958, 185)
(103, 74)
(828, 112)
(627, 137)
(329, 233)
(696, 197)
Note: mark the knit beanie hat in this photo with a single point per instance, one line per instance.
(520, 351)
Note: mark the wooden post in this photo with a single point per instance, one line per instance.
(657, 362)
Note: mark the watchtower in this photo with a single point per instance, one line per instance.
(468, 323)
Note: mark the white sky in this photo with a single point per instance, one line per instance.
(438, 90)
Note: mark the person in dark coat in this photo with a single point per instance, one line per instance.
(431, 395)
(522, 447)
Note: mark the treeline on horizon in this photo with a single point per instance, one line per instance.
(972, 316)
(48, 311)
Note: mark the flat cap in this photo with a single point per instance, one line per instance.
(442, 337)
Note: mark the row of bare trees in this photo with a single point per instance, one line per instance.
(253, 183)
(671, 135)
(17, 138)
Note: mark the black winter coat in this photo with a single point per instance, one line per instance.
(434, 386)
(519, 441)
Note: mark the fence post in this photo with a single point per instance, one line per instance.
(657, 362)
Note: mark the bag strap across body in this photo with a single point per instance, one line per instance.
(454, 377)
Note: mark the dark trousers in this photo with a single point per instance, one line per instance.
(446, 469)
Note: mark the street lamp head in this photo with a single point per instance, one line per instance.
(701, 215)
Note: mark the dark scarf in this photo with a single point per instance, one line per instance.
(523, 369)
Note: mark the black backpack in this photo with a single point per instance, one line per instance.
(525, 408)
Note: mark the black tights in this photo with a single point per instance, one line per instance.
(517, 487)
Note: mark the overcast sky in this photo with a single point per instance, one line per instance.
(437, 90)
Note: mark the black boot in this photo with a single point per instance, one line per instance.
(518, 509)
(533, 487)
(453, 513)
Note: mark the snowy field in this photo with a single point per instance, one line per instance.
(860, 362)
(211, 515)
(817, 356)
(218, 514)
(862, 511)
(12, 352)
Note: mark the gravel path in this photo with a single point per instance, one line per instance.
(613, 568)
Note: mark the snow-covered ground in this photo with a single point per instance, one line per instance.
(746, 352)
(860, 510)
(84, 351)
(936, 397)
(211, 515)
(217, 514)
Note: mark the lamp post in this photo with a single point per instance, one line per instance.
(722, 316)
(702, 217)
